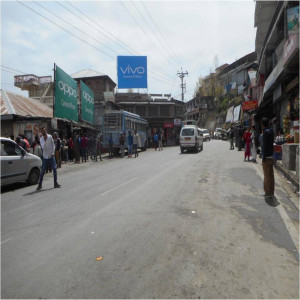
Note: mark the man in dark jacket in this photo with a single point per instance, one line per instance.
(268, 162)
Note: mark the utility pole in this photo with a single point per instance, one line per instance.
(183, 85)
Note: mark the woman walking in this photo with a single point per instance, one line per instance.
(247, 139)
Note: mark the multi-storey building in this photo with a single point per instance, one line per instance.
(277, 47)
(164, 115)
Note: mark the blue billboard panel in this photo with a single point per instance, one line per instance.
(132, 72)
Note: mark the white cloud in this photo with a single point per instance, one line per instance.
(195, 32)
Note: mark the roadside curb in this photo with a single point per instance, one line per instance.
(290, 175)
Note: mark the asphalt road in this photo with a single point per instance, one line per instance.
(167, 225)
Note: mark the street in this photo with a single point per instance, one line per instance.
(167, 225)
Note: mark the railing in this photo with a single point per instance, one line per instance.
(21, 79)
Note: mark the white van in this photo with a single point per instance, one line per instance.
(191, 138)
(18, 165)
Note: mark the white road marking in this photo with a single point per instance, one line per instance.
(284, 216)
(117, 187)
(6, 241)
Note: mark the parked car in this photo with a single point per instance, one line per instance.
(18, 165)
(206, 135)
(191, 138)
(219, 134)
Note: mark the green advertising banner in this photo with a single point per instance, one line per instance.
(65, 96)
(87, 103)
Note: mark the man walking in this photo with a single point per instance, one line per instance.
(268, 162)
(122, 145)
(48, 148)
(57, 144)
(136, 143)
(231, 136)
(130, 142)
(160, 141)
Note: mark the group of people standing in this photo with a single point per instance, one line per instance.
(133, 142)
(265, 140)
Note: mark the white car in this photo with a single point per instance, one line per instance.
(191, 138)
(18, 165)
(206, 135)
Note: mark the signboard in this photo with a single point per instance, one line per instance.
(293, 20)
(177, 122)
(229, 115)
(87, 103)
(65, 96)
(289, 48)
(249, 105)
(132, 72)
(168, 125)
(236, 113)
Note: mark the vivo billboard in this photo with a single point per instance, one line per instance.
(65, 96)
(132, 72)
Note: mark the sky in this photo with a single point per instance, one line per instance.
(196, 36)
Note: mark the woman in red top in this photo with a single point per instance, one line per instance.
(247, 139)
(71, 149)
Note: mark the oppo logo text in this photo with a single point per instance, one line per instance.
(67, 89)
(88, 98)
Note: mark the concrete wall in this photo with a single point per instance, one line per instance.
(289, 156)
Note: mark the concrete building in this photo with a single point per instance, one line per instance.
(164, 115)
(277, 48)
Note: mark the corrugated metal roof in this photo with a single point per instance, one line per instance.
(14, 104)
(86, 73)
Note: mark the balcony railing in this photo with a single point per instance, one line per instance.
(31, 79)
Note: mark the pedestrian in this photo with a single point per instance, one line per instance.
(21, 143)
(247, 139)
(91, 147)
(71, 149)
(254, 144)
(66, 149)
(99, 147)
(38, 150)
(24, 138)
(110, 146)
(136, 143)
(268, 162)
(160, 141)
(155, 139)
(48, 147)
(231, 136)
(84, 148)
(77, 149)
(122, 144)
(57, 143)
(129, 142)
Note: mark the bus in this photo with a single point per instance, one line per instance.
(117, 122)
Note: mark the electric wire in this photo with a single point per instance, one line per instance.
(96, 48)
(12, 69)
(162, 36)
(148, 25)
(82, 40)
(123, 45)
(75, 27)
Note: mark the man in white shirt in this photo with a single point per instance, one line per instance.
(48, 148)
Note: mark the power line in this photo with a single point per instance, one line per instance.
(146, 22)
(119, 43)
(162, 37)
(66, 30)
(74, 26)
(12, 69)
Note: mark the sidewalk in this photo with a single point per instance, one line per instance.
(290, 175)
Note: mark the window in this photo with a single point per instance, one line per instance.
(9, 149)
(187, 132)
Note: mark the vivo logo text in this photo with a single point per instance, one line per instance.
(137, 70)
(67, 89)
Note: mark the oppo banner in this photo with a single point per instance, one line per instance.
(65, 96)
(87, 103)
(132, 72)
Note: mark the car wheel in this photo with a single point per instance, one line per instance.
(34, 176)
(197, 148)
